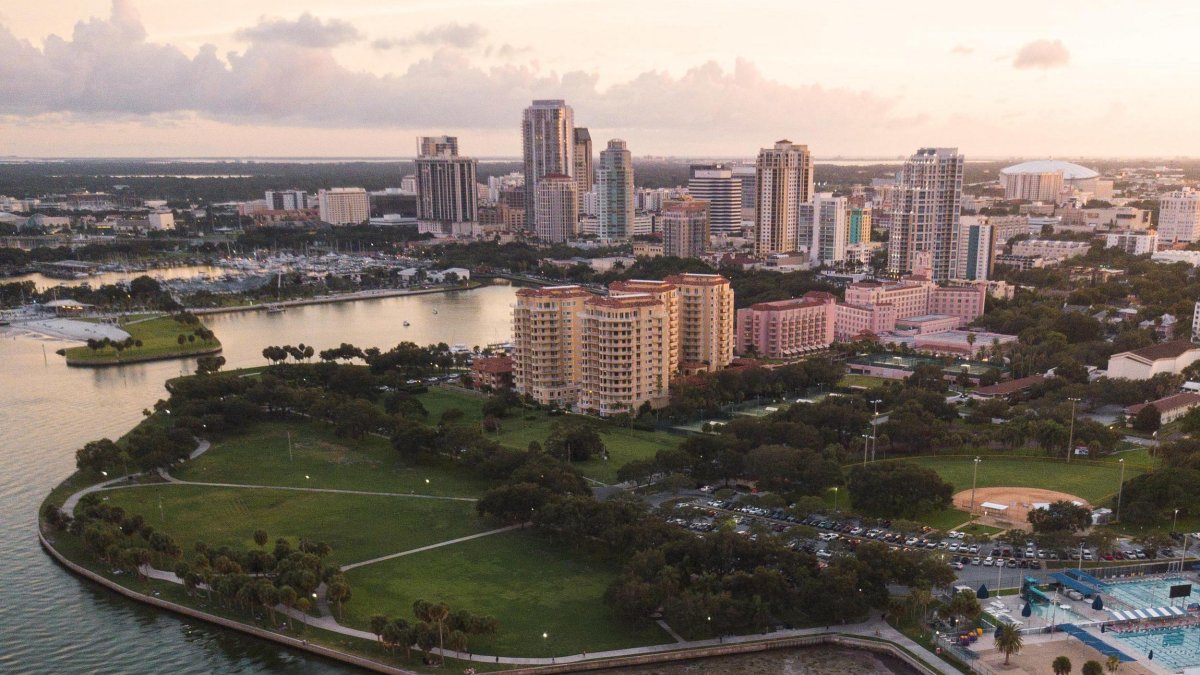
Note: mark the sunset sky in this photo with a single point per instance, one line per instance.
(684, 78)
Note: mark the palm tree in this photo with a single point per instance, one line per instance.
(338, 592)
(287, 598)
(921, 597)
(437, 615)
(1061, 666)
(260, 537)
(964, 605)
(1092, 667)
(1009, 641)
(378, 622)
(1113, 664)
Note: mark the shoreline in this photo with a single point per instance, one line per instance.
(833, 639)
(328, 299)
(104, 363)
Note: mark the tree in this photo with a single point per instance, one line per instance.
(337, 593)
(1060, 516)
(1113, 664)
(964, 606)
(897, 489)
(1009, 641)
(1147, 420)
(435, 615)
(378, 622)
(1092, 667)
(261, 538)
(287, 598)
(574, 441)
(206, 365)
(1061, 665)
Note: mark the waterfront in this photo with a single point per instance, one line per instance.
(44, 282)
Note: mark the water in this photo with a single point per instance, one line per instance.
(1175, 648)
(186, 272)
(50, 621)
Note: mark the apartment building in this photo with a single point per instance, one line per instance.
(626, 354)
(787, 328)
(1179, 216)
(852, 321)
(667, 294)
(1137, 243)
(547, 343)
(344, 206)
(1051, 249)
(706, 321)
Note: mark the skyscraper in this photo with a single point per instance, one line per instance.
(548, 143)
(585, 175)
(783, 182)
(829, 230)
(706, 321)
(715, 184)
(557, 206)
(859, 222)
(685, 227)
(615, 186)
(925, 210)
(343, 206)
(447, 195)
(1179, 216)
(976, 249)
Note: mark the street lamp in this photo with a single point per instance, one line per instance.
(1071, 437)
(835, 496)
(1174, 519)
(865, 439)
(874, 426)
(1121, 489)
(974, 475)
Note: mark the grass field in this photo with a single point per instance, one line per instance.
(945, 519)
(529, 584)
(1094, 481)
(358, 527)
(864, 381)
(623, 445)
(320, 459)
(159, 336)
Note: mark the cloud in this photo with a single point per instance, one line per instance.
(962, 50)
(1042, 54)
(109, 70)
(457, 35)
(306, 31)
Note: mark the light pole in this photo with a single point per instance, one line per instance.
(1174, 520)
(874, 426)
(1071, 437)
(1121, 489)
(835, 495)
(866, 438)
(1081, 554)
(974, 475)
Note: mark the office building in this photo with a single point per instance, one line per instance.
(614, 185)
(556, 204)
(286, 200)
(547, 343)
(784, 181)
(1179, 216)
(706, 321)
(787, 328)
(685, 225)
(926, 206)
(626, 354)
(716, 184)
(548, 148)
(344, 206)
(585, 174)
(393, 201)
(1137, 243)
(858, 222)
(447, 192)
(430, 146)
(976, 249)
(747, 175)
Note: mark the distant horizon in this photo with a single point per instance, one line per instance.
(833, 159)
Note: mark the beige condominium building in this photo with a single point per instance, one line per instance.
(706, 321)
(626, 354)
(547, 343)
(668, 295)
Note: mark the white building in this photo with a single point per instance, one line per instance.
(784, 182)
(1051, 249)
(1167, 257)
(1043, 180)
(548, 144)
(826, 231)
(715, 184)
(1137, 243)
(1179, 216)
(286, 200)
(161, 220)
(344, 206)
(1145, 363)
(926, 205)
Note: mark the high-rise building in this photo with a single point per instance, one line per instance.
(685, 225)
(447, 191)
(925, 210)
(626, 354)
(556, 203)
(286, 200)
(585, 174)
(706, 321)
(1179, 216)
(787, 328)
(615, 188)
(429, 146)
(859, 222)
(547, 343)
(747, 175)
(344, 206)
(976, 249)
(548, 148)
(715, 184)
(827, 230)
(668, 295)
(784, 181)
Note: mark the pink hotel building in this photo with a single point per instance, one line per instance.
(792, 327)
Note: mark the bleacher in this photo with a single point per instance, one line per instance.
(1075, 584)
(1095, 642)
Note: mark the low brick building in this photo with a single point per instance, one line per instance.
(492, 373)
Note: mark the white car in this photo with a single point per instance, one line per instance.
(988, 561)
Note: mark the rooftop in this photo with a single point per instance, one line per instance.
(1069, 170)
(1011, 386)
(1164, 350)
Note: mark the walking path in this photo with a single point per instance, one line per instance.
(347, 568)
(670, 631)
(412, 495)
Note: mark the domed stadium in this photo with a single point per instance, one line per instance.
(1042, 180)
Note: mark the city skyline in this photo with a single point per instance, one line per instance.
(221, 79)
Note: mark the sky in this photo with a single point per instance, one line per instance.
(684, 78)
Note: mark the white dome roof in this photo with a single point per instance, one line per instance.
(1070, 171)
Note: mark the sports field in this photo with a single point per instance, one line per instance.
(1093, 481)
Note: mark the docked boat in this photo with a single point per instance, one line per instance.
(275, 309)
(406, 324)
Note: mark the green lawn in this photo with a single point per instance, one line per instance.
(1094, 481)
(865, 381)
(159, 336)
(358, 527)
(259, 456)
(945, 519)
(529, 584)
(624, 445)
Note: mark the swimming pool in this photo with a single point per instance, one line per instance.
(1149, 592)
(1174, 648)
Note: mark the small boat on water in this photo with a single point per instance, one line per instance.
(406, 324)
(435, 311)
(275, 309)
